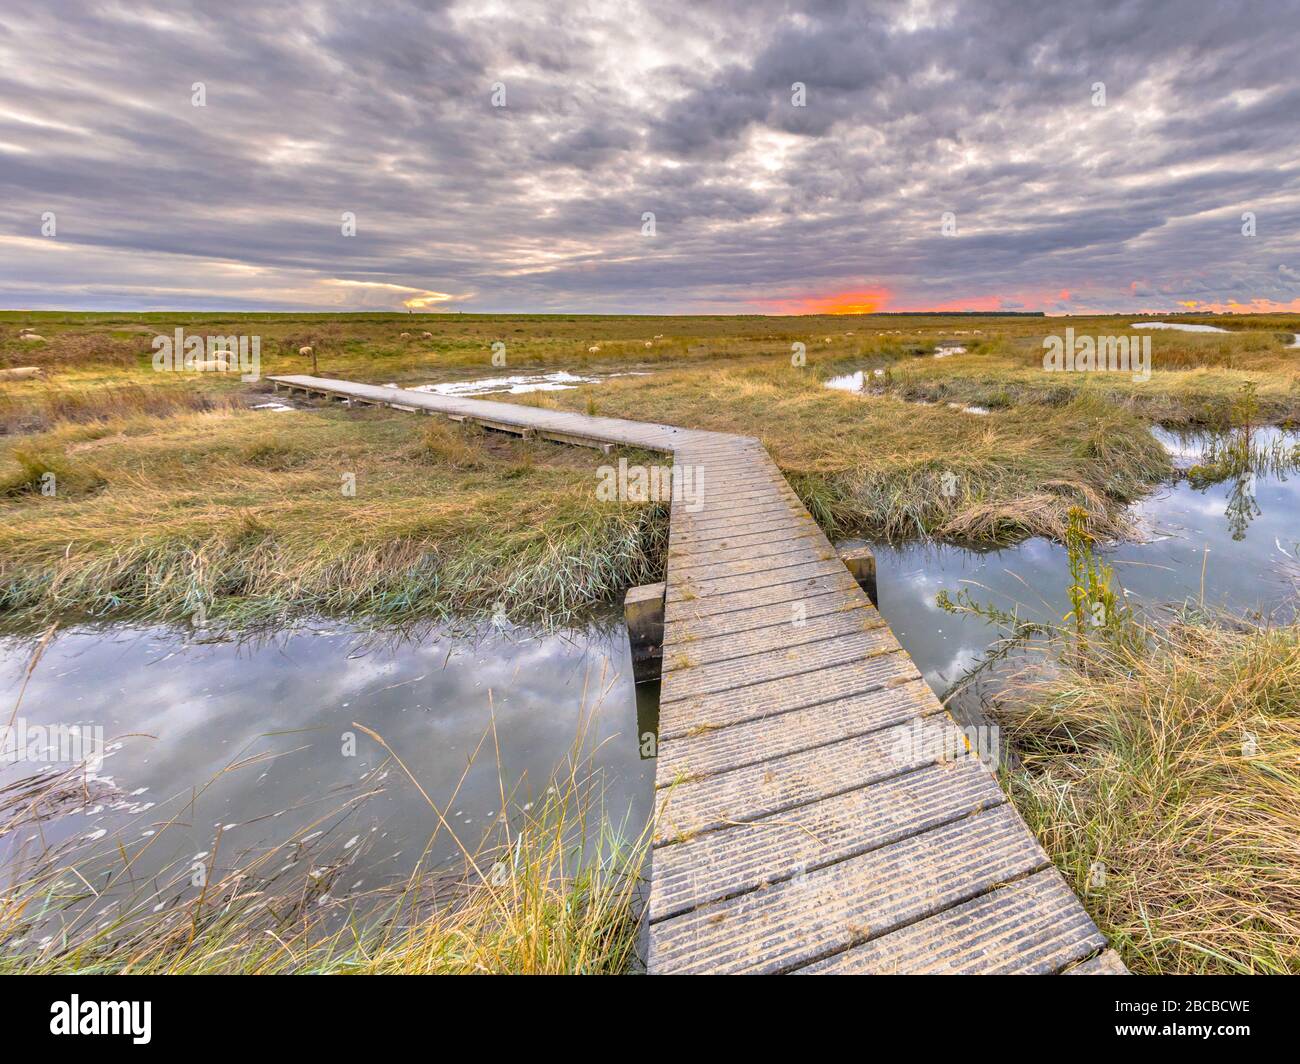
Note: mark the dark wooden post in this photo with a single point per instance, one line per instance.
(643, 609)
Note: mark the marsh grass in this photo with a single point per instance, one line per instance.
(38, 407)
(875, 465)
(1161, 776)
(243, 516)
(1157, 763)
(1196, 379)
(436, 528)
(35, 472)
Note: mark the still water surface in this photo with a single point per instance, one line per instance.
(469, 715)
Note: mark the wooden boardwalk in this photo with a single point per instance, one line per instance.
(810, 813)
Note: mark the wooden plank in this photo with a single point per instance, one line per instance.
(692, 678)
(793, 923)
(1034, 926)
(805, 552)
(776, 638)
(717, 710)
(687, 586)
(809, 607)
(734, 860)
(740, 546)
(714, 750)
(790, 588)
(765, 524)
(690, 807)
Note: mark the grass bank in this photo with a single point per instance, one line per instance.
(1156, 758)
(1162, 778)
(252, 517)
(878, 466)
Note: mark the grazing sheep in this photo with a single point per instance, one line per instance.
(649, 344)
(21, 373)
(33, 337)
(404, 336)
(306, 352)
(659, 336)
(427, 335)
(593, 349)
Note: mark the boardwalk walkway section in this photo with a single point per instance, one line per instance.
(817, 810)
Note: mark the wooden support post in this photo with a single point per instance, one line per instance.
(643, 610)
(525, 431)
(861, 564)
(581, 441)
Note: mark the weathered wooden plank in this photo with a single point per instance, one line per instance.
(806, 609)
(776, 638)
(798, 921)
(794, 588)
(714, 750)
(694, 806)
(764, 524)
(691, 678)
(733, 860)
(796, 553)
(741, 546)
(689, 561)
(722, 516)
(686, 587)
(717, 710)
(1034, 926)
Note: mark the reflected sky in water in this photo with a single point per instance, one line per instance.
(1247, 560)
(281, 709)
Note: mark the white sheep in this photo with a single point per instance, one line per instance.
(649, 344)
(427, 335)
(593, 349)
(33, 337)
(404, 336)
(306, 352)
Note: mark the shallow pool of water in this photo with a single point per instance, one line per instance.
(1177, 326)
(519, 384)
(259, 741)
(1233, 545)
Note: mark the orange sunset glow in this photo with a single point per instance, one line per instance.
(857, 302)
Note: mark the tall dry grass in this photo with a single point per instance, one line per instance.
(1163, 776)
(243, 516)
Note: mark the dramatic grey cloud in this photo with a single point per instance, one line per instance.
(685, 109)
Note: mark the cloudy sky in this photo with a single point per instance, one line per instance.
(688, 110)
